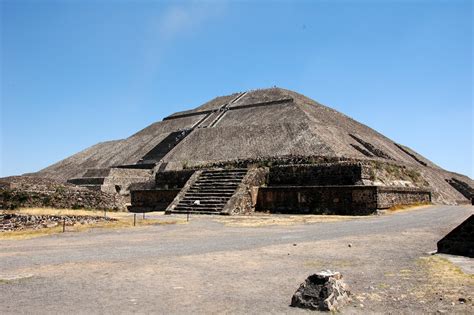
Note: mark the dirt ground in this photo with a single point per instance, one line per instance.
(216, 265)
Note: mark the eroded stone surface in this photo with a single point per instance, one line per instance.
(324, 291)
(18, 222)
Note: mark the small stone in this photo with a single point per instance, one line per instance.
(442, 311)
(462, 300)
(294, 244)
(349, 245)
(452, 303)
(361, 305)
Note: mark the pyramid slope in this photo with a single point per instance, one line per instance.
(116, 152)
(267, 123)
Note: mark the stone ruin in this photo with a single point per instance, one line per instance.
(270, 150)
(10, 222)
(324, 291)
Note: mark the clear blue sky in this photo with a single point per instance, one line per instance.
(74, 73)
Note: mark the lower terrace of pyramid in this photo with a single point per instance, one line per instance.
(342, 188)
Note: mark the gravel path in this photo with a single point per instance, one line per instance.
(206, 267)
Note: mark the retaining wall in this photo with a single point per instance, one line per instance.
(388, 197)
(342, 200)
(152, 200)
(172, 179)
(317, 175)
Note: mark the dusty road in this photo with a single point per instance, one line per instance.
(207, 267)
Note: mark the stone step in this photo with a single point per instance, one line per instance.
(195, 212)
(214, 184)
(206, 179)
(223, 173)
(208, 194)
(206, 198)
(215, 206)
(212, 189)
(204, 201)
(222, 178)
(220, 193)
(220, 181)
(197, 208)
(213, 175)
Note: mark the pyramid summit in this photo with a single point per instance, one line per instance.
(272, 128)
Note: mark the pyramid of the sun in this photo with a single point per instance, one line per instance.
(253, 126)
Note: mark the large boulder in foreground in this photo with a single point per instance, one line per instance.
(324, 291)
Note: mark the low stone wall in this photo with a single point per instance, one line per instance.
(120, 179)
(344, 200)
(37, 192)
(316, 175)
(152, 200)
(172, 179)
(341, 200)
(388, 197)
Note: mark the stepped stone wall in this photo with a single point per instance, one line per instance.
(152, 199)
(388, 197)
(317, 175)
(120, 179)
(172, 179)
(340, 200)
(159, 195)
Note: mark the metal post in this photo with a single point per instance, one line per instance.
(187, 217)
(134, 219)
(143, 215)
(105, 213)
(64, 225)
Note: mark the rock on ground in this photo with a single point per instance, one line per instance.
(324, 291)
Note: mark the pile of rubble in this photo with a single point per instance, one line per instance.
(18, 222)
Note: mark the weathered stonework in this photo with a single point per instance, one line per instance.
(303, 144)
(324, 291)
(152, 200)
(340, 200)
(316, 174)
(244, 200)
(167, 186)
(388, 197)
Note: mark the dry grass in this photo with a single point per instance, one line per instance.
(412, 206)
(274, 219)
(123, 220)
(445, 278)
(6, 279)
(69, 212)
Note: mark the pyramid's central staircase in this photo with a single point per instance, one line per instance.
(210, 193)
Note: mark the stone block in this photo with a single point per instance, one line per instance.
(324, 291)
